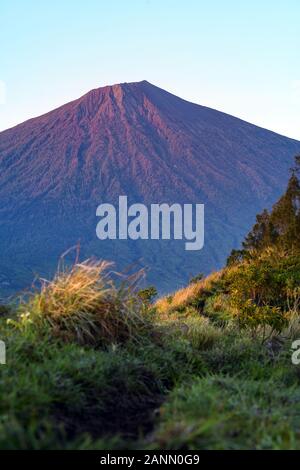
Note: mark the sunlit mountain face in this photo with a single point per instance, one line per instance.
(138, 140)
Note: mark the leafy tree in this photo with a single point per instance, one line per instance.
(262, 280)
(280, 227)
(285, 216)
(263, 289)
(262, 234)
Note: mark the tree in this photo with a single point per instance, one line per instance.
(285, 215)
(280, 227)
(262, 234)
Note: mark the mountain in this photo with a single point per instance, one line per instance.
(138, 140)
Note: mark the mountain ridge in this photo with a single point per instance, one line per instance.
(137, 83)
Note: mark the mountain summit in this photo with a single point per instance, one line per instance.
(138, 140)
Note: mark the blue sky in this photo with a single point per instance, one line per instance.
(242, 57)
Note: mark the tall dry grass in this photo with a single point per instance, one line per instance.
(184, 297)
(292, 330)
(83, 304)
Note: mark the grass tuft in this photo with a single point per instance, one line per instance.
(83, 304)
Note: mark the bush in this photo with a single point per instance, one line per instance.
(262, 290)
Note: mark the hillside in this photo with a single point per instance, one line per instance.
(92, 364)
(139, 140)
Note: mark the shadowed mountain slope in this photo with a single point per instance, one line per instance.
(138, 140)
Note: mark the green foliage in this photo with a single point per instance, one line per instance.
(236, 256)
(263, 234)
(148, 294)
(5, 310)
(261, 280)
(262, 290)
(201, 333)
(280, 227)
(251, 316)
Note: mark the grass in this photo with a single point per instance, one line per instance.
(222, 412)
(89, 366)
(83, 304)
(185, 297)
(58, 394)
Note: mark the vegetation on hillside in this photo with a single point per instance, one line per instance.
(94, 364)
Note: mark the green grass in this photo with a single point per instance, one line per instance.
(172, 391)
(223, 412)
(187, 379)
(61, 395)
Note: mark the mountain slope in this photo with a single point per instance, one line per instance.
(137, 140)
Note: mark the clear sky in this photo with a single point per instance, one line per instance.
(239, 56)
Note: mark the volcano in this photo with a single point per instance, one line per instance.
(138, 140)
